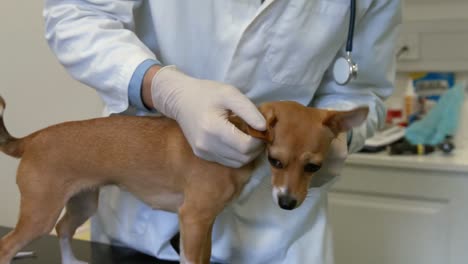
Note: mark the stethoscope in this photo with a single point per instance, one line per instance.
(344, 69)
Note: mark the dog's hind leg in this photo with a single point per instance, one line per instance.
(39, 212)
(79, 209)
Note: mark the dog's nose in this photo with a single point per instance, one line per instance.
(286, 202)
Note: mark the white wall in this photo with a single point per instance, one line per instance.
(417, 10)
(36, 88)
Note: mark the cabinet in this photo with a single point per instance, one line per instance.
(401, 210)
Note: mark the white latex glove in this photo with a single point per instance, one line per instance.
(200, 107)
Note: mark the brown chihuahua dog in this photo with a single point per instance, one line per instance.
(65, 164)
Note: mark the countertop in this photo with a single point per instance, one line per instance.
(48, 252)
(456, 162)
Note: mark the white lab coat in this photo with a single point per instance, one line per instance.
(278, 51)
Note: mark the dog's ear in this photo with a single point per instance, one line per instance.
(270, 117)
(342, 121)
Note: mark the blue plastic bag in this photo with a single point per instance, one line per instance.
(441, 121)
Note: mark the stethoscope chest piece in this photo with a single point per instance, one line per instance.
(344, 70)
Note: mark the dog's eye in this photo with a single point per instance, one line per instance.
(310, 167)
(275, 163)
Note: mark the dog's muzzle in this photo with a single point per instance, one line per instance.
(286, 202)
(283, 198)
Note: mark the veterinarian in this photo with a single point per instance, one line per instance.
(251, 52)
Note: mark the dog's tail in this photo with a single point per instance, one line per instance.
(8, 144)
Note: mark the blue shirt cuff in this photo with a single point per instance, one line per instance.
(135, 85)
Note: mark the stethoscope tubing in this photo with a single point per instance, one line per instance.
(352, 20)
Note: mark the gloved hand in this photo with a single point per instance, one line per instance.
(200, 107)
(333, 163)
